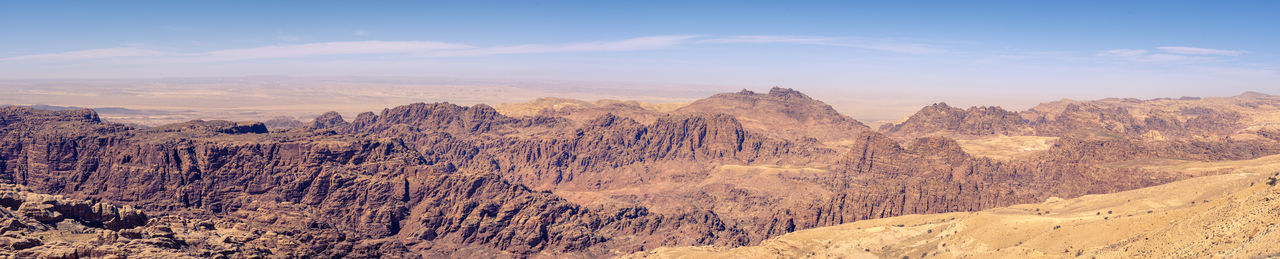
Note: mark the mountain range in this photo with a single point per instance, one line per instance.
(744, 173)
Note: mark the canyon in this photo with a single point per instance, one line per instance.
(734, 173)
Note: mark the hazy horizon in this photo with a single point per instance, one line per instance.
(1009, 54)
(264, 97)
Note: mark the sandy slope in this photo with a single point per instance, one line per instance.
(1231, 215)
(1005, 147)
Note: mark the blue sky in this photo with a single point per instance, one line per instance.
(969, 49)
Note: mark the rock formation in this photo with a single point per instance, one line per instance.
(942, 119)
(441, 179)
(781, 113)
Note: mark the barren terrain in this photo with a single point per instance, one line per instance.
(1228, 215)
(736, 172)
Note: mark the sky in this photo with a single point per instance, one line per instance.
(970, 51)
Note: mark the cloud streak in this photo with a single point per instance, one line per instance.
(89, 54)
(1201, 51)
(335, 48)
(429, 49)
(1170, 55)
(876, 45)
(633, 44)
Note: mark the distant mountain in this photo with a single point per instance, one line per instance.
(783, 113)
(578, 110)
(942, 119)
(1155, 119)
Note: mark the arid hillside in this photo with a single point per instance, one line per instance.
(1231, 215)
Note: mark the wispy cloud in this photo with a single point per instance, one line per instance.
(1238, 71)
(633, 44)
(89, 54)
(765, 39)
(335, 48)
(427, 49)
(1170, 54)
(877, 45)
(1124, 53)
(1201, 51)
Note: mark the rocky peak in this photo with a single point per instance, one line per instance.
(782, 112)
(940, 108)
(328, 120)
(419, 113)
(786, 93)
(433, 116)
(609, 120)
(941, 118)
(775, 93)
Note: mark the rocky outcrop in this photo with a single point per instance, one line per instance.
(46, 226)
(48, 209)
(283, 122)
(215, 126)
(328, 120)
(442, 117)
(17, 114)
(464, 209)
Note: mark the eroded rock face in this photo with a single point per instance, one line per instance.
(345, 191)
(447, 180)
(462, 209)
(891, 180)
